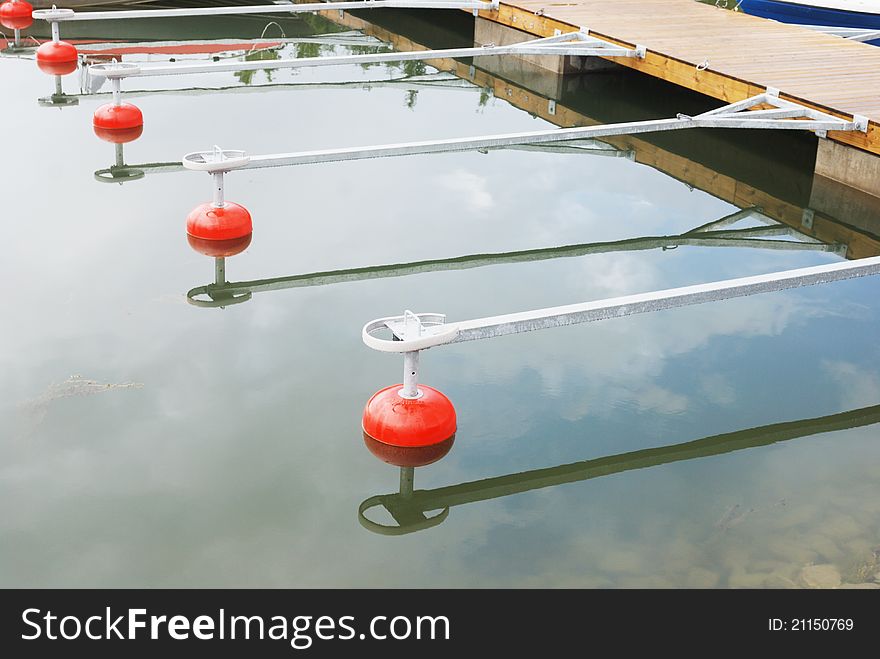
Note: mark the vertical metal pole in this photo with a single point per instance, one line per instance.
(120, 160)
(219, 270)
(218, 190)
(407, 476)
(59, 91)
(116, 84)
(56, 33)
(17, 38)
(411, 375)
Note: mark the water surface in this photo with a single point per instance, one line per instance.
(227, 449)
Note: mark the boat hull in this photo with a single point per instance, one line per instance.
(802, 14)
(791, 12)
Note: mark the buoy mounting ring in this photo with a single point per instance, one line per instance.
(115, 70)
(119, 174)
(216, 160)
(53, 14)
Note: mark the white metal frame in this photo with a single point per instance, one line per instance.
(55, 15)
(414, 332)
(784, 115)
(571, 43)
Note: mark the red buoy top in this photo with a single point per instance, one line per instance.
(16, 14)
(392, 419)
(118, 117)
(118, 124)
(226, 223)
(57, 58)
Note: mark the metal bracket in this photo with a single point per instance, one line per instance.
(551, 107)
(807, 218)
(861, 123)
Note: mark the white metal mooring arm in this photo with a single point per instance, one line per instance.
(737, 115)
(67, 15)
(572, 43)
(434, 331)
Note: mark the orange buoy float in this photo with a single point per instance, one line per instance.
(409, 415)
(16, 14)
(118, 124)
(392, 418)
(218, 220)
(56, 57)
(213, 222)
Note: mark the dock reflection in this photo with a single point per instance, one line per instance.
(718, 233)
(411, 508)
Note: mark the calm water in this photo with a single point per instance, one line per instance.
(230, 453)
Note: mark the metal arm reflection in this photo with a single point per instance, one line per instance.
(409, 507)
(222, 293)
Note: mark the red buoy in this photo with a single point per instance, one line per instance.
(218, 248)
(409, 456)
(391, 419)
(57, 58)
(16, 14)
(227, 222)
(118, 123)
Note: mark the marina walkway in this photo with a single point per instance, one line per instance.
(724, 54)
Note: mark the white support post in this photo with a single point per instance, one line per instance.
(219, 201)
(410, 375)
(412, 328)
(116, 85)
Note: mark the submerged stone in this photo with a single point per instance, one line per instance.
(824, 575)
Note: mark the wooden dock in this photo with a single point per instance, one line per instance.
(861, 242)
(724, 54)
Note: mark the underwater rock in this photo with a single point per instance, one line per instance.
(824, 575)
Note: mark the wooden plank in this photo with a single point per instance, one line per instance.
(746, 54)
(695, 174)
